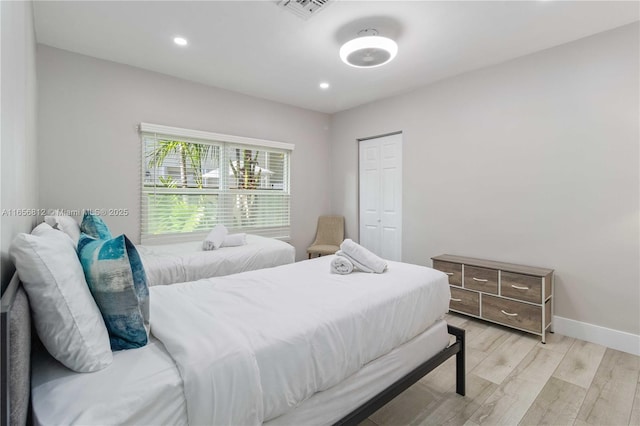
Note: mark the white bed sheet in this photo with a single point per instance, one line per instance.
(155, 396)
(140, 387)
(231, 333)
(182, 262)
(144, 386)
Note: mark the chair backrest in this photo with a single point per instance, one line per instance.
(330, 230)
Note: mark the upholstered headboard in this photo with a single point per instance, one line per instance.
(15, 354)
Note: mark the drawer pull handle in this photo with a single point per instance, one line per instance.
(449, 273)
(456, 300)
(519, 287)
(480, 280)
(509, 314)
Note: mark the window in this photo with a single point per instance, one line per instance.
(192, 181)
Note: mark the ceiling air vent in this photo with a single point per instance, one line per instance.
(304, 8)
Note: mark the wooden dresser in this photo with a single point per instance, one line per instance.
(516, 296)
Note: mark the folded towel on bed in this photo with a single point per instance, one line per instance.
(215, 238)
(234, 240)
(362, 258)
(355, 263)
(341, 265)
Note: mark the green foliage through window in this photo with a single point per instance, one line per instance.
(190, 186)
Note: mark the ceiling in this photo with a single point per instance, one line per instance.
(260, 49)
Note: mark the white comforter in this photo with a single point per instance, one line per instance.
(245, 360)
(181, 262)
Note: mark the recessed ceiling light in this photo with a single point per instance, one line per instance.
(180, 41)
(324, 85)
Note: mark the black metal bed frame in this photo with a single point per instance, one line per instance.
(374, 404)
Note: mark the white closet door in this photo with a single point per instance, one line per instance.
(381, 196)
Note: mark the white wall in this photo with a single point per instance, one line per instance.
(90, 150)
(533, 161)
(18, 171)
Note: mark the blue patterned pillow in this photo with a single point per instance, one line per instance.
(94, 226)
(118, 283)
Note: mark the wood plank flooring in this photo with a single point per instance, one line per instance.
(513, 379)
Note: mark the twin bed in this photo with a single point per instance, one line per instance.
(182, 262)
(291, 344)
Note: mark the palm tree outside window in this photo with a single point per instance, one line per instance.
(189, 186)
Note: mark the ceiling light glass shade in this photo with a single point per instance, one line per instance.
(368, 52)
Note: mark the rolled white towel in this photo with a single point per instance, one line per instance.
(361, 256)
(355, 263)
(234, 240)
(341, 265)
(215, 238)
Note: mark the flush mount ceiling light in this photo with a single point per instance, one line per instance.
(368, 50)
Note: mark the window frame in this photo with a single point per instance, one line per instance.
(224, 142)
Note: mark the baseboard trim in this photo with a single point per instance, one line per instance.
(615, 339)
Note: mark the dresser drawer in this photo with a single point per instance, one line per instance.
(453, 270)
(465, 301)
(481, 279)
(522, 287)
(512, 313)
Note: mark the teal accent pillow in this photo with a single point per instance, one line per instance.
(118, 283)
(94, 226)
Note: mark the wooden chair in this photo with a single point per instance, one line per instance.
(329, 236)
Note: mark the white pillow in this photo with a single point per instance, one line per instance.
(66, 224)
(233, 240)
(39, 230)
(215, 238)
(66, 317)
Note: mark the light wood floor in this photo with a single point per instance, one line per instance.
(513, 379)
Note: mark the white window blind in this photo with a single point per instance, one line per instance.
(192, 181)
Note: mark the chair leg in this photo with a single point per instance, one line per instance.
(309, 255)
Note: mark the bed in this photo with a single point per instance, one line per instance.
(181, 262)
(294, 344)
(186, 261)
